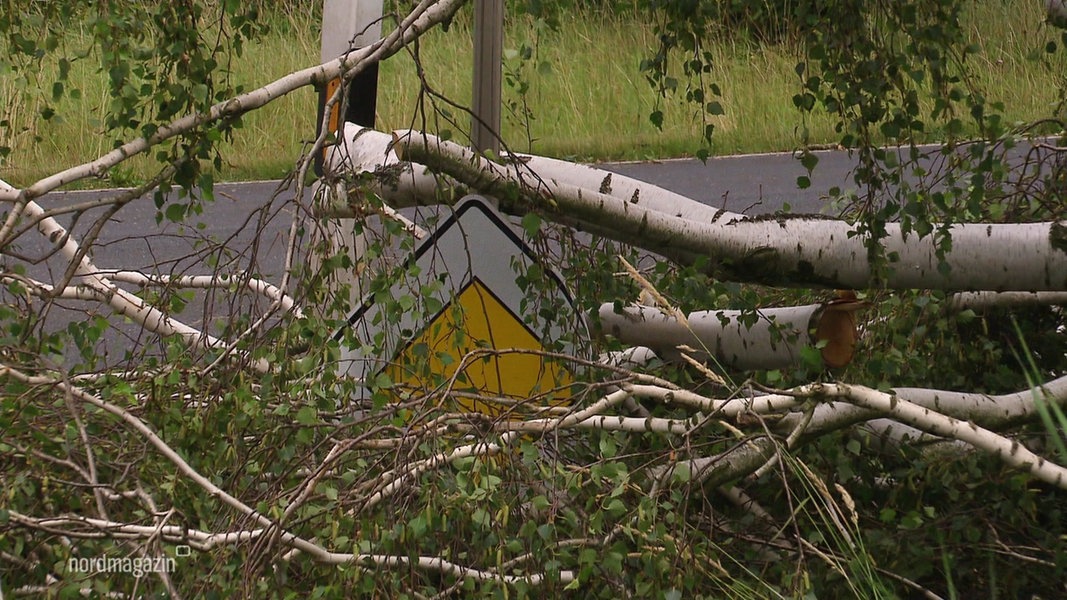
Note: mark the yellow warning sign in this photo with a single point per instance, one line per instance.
(477, 345)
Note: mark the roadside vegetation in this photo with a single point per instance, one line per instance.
(862, 406)
(572, 90)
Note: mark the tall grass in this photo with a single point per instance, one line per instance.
(590, 101)
(586, 95)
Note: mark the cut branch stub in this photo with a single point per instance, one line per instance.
(836, 325)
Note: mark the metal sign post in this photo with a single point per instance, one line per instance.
(488, 59)
(349, 25)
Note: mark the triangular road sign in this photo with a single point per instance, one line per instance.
(441, 327)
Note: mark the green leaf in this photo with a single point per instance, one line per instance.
(175, 212)
(809, 160)
(539, 502)
(853, 447)
(531, 223)
(307, 416)
(811, 357)
(382, 381)
(656, 117)
(607, 446)
(681, 472)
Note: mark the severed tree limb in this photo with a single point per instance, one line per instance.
(41, 289)
(520, 191)
(887, 435)
(90, 528)
(608, 423)
(789, 249)
(1003, 410)
(774, 340)
(395, 481)
(405, 184)
(120, 300)
(640, 193)
(425, 16)
(83, 292)
(983, 301)
(112, 206)
(857, 404)
(86, 293)
(257, 286)
(731, 408)
(340, 201)
(364, 150)
(1011, 452)
(984, 409)
(546, 425)
(715, 471)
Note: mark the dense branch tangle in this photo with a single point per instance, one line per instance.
(803, 250)
(839, 406)
(796, 416)
(356, 465)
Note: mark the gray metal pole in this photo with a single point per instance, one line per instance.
(488, 51)
(349, 25)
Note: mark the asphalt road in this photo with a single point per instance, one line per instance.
(752, 184)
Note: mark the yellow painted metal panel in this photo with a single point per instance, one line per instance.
(474, 337)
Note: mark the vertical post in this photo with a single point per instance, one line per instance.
(349, 25)
(346, 25)
(488, 51)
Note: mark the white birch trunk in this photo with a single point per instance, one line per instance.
(398, 184)
(773, 341)
(983, 301)
(636, 192)
(789, 250)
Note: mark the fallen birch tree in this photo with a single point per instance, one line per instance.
(241, 462)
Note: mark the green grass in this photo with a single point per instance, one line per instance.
(588, 99)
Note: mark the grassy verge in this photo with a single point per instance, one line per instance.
(586, 96)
